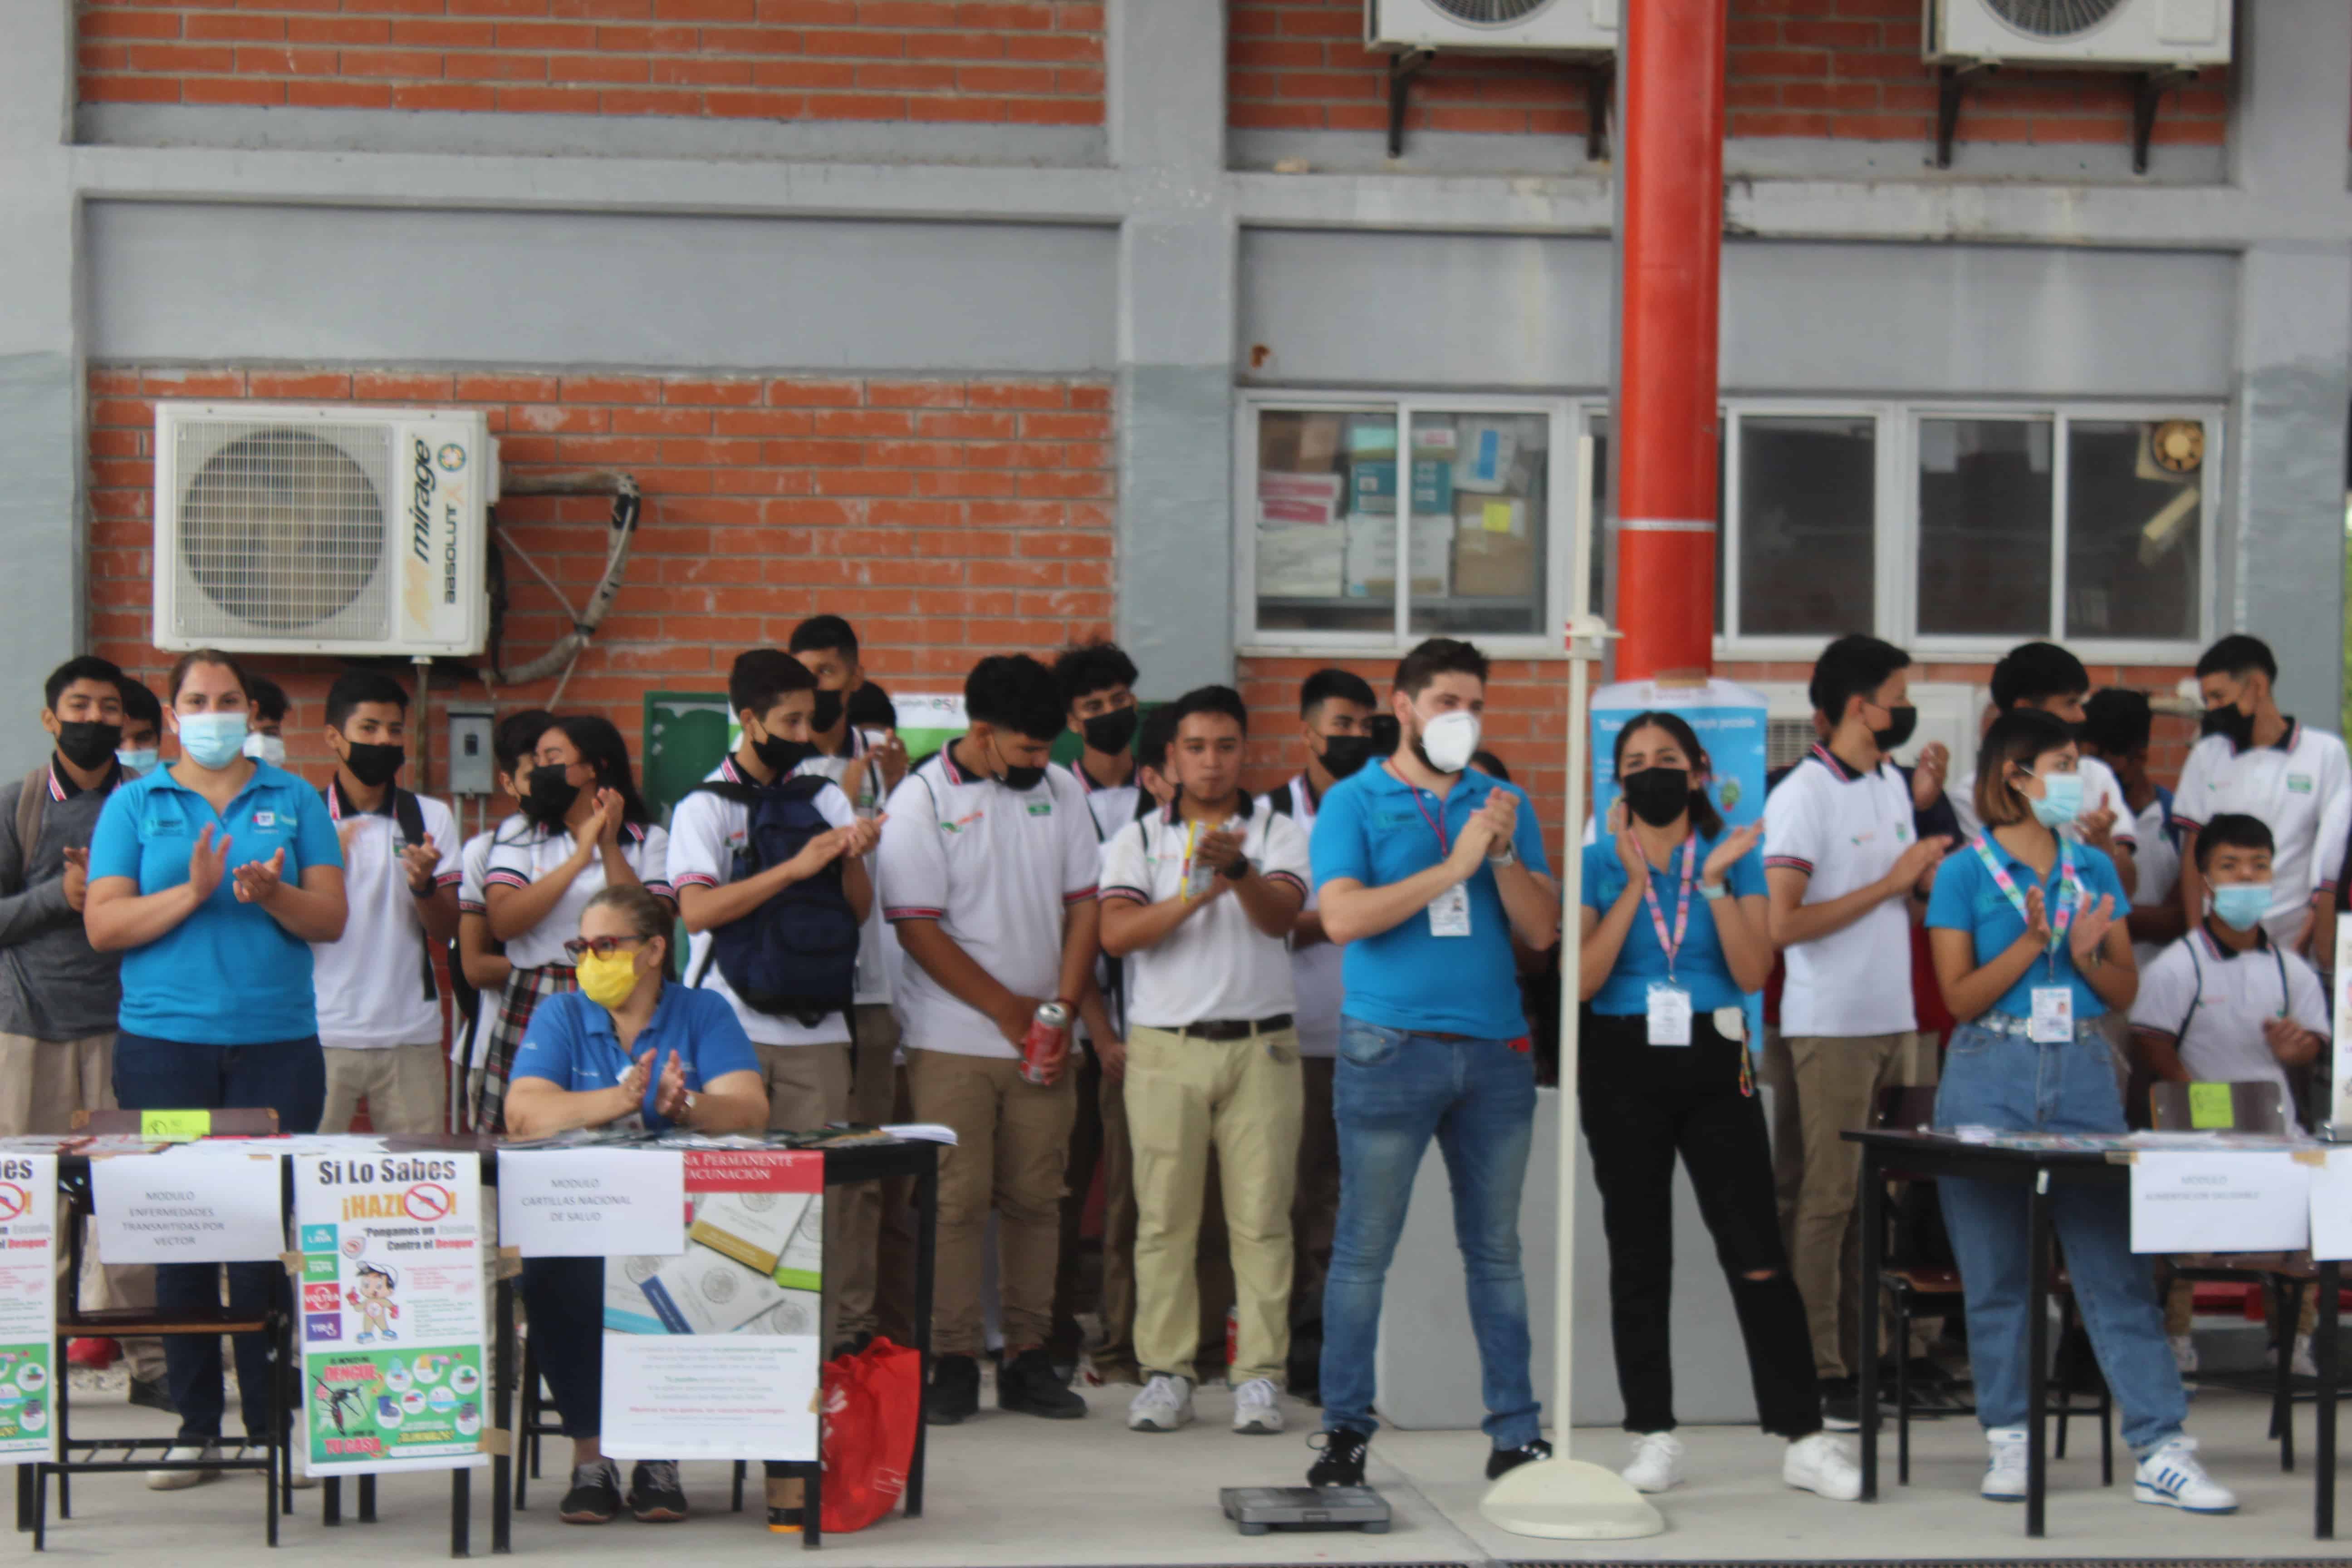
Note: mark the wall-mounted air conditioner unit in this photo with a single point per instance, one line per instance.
(1561, 25)
(334, 529)
(1949, 712)
(2145, 35)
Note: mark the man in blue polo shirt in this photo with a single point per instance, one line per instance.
(1423, 871)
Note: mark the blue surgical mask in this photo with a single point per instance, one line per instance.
(2062, 799)
(212, 740)
(2240, 906)
(138, 763)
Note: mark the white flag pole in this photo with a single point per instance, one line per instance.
(1564, 1499)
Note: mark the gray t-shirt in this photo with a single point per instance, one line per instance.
(53, 984)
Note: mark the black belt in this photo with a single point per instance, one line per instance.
(1234, 1028)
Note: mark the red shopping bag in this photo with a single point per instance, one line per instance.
(873, 1404)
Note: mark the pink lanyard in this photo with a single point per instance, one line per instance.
(1437, 824)
(2060, 917)
(1682, 905)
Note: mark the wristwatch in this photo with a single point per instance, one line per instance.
(1712, 892)
(1238, 869)
(1509, 857)
(686, 1106)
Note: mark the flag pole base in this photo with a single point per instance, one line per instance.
(1567, 1499)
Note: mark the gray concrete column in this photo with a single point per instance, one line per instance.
(2283, 578)
(1178, 251)
(43, 537)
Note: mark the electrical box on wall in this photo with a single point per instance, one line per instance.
(472, 769)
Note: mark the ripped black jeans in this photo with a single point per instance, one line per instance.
(1641, 1105)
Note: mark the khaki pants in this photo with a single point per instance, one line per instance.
(855, 1267)
(1013, 1140)
(1315, 1203)
(1245, 1098)
(402, 1086)
(42, 1084)
(1837, 1079)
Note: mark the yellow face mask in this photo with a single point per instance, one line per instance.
(608, 980)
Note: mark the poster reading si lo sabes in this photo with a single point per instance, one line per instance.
(713, 1353)
(28, 1305)
(393, 1373)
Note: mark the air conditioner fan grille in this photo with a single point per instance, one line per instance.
(2054, 18)
(1488, 13)
(282, 530)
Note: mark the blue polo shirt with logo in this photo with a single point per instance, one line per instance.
(1374, 828)
(572, 1045)
(229, 974)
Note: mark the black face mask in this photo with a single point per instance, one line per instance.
(829, 709)
(374, 765)
(1346, 754)
(549, 795)
(1112, 732)
(1906, 720)
(1657, 796)
(86, 742)
(2232, 721)
(781, 756)
(1013, 778)
(1386, 734)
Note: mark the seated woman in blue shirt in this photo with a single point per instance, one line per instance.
(2030, 950)
(212, 878)
(629, 1049)
(1673, 930)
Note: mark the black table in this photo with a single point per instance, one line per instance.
(1940, 1155)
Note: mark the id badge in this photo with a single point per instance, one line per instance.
(2053, 1014)
(1449, 913)
(1670, 1014)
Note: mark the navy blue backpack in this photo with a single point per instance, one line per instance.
(795, 956)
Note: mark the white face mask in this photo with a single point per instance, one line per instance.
(270, 748)
(1450, 741)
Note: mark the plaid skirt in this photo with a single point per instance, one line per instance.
(526, 988)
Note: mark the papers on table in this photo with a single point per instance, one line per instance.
(2220, 1201)
(192, 1203)
(592, 1202)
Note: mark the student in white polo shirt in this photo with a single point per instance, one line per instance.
(989, 871)
(1846, 872)
(379, 1009)
(2044, 676)
(2117, 723)
(481, 960)
(1335, 717)
(1200, 899)
(2260, 762)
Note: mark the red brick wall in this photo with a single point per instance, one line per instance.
(1845, 69)
(947, 519)
(1017, 62)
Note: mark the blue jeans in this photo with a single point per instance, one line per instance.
(1393, 1091)
(291, 1078)
(2011, 1083)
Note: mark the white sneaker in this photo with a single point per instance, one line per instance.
(2171, 1476)
(2184, 1354)
(180, 1480)
(1820, 1464)
(1165, 1404)
(1657, 1463)
(1257, 1408)
(2304, 1363)
(2004, 1476)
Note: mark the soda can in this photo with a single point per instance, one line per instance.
(1046, 1043)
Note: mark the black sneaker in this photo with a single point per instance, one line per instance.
(1841, 1405)
(655, 1497)
(1342, 1464)
(150, 1393)
(954, 1395)
(595, 1494)
(1503, 1461)
(1029, 1383)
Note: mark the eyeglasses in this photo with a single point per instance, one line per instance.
(579, 947)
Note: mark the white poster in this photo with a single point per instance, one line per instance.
(2331, 1206)
(2340, 1099)
(392, 1311)
(592, 1203)
(2234, 1201)
(713, 1352)
(28, 1305)
(194, 1203)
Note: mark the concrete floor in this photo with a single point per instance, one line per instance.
(1007, 1489)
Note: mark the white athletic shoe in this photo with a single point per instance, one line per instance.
(1657, 1463)
(180, 1480)
(1820, 1464)
(2304, 1363)
(1257, 1408)
(2184, 1354)
(2004, 1476)
(2171, 1476)
(1165, 1404)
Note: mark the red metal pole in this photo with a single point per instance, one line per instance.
(1671, 246)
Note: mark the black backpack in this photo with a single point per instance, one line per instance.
(795, 956)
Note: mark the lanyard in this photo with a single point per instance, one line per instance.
(1437, 824)
(1682, 904)
(2060, 917)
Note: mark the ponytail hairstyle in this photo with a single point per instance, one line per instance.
(1705, 821)
(2018, 736)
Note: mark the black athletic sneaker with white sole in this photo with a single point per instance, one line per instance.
(595, 1494)
(1342, 1464)
(1503, 1461)
(656, 1494)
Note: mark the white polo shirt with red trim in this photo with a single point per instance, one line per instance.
(2301, 789)
(1216, 965)
(1845, 830)
(520, 859)
(2213, 1002)
(372, 984)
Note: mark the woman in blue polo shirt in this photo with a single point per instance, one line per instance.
(2030, 950)
(212, 878)
(627, 1049)
(1674, 932)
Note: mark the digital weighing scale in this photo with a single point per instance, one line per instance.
(1256, 1510)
